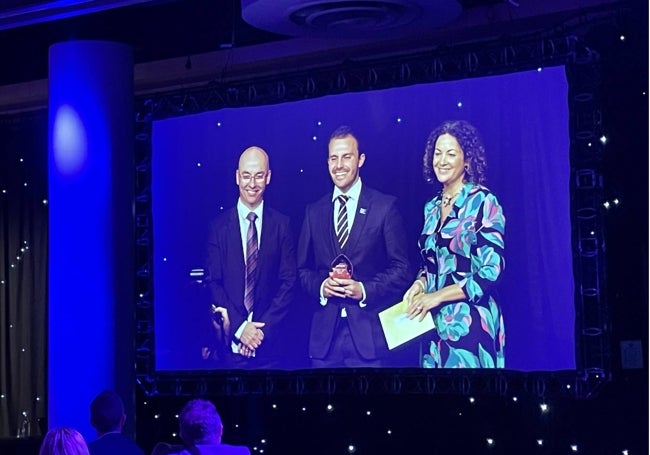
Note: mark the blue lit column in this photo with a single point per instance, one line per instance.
(90, 228)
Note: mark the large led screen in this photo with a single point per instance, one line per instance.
(523, 120)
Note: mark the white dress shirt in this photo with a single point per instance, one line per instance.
(242, 213)
(352, 203)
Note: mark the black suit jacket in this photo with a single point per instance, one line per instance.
(277, 277)
(114, 443)
(377, 249)
(163, 448)
(213, 449)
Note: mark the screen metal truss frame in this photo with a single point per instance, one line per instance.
(449, 63)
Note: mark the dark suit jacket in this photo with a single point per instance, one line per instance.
(377, 249)
(277, 277)
(114, 443)
(208, 449)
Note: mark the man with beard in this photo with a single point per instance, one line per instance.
(365, 226)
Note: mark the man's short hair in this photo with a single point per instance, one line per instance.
(341, 132)
(200, 423)
(106, 411)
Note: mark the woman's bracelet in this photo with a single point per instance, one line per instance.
(421, 284)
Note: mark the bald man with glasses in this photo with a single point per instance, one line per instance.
(252, 271)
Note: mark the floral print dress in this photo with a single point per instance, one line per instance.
(467, 249)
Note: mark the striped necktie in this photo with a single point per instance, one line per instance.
(251, 262)
(342, 229)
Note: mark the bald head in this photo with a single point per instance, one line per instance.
(256, 155)
(252, 176)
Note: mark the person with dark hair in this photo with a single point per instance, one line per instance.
(462, 248)
(107, 417)
(201, 430)
(63, 441)
(366, 227)
(252, 272)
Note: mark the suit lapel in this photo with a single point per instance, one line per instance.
(268, 229)
(236, 258)
(360, 218)
(267, 248)
(234, 237)
(325, 220)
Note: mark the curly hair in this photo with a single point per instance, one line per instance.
(470, 143)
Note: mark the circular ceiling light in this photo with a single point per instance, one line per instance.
(349, 18)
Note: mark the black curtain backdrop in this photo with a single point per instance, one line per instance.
(23, 271)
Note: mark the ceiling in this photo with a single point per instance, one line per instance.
(156, 30)
(166, 29)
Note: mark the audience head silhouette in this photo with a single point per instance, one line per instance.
(63, 441)
(107, 412)
(200, 423)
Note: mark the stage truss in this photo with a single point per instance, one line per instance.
(439, 64)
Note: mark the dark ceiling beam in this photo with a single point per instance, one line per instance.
(268, 59)
(45, 11)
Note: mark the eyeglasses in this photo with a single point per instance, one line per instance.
(247, 178)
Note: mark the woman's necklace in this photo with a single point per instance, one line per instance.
(446, 198)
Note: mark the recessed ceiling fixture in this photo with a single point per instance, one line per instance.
(349, 18)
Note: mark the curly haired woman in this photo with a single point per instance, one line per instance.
(462, 246)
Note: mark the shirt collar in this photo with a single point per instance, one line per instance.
(108, 433)
(353, 193)
(243, 211)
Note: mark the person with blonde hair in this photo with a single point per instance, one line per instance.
(63, 441)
